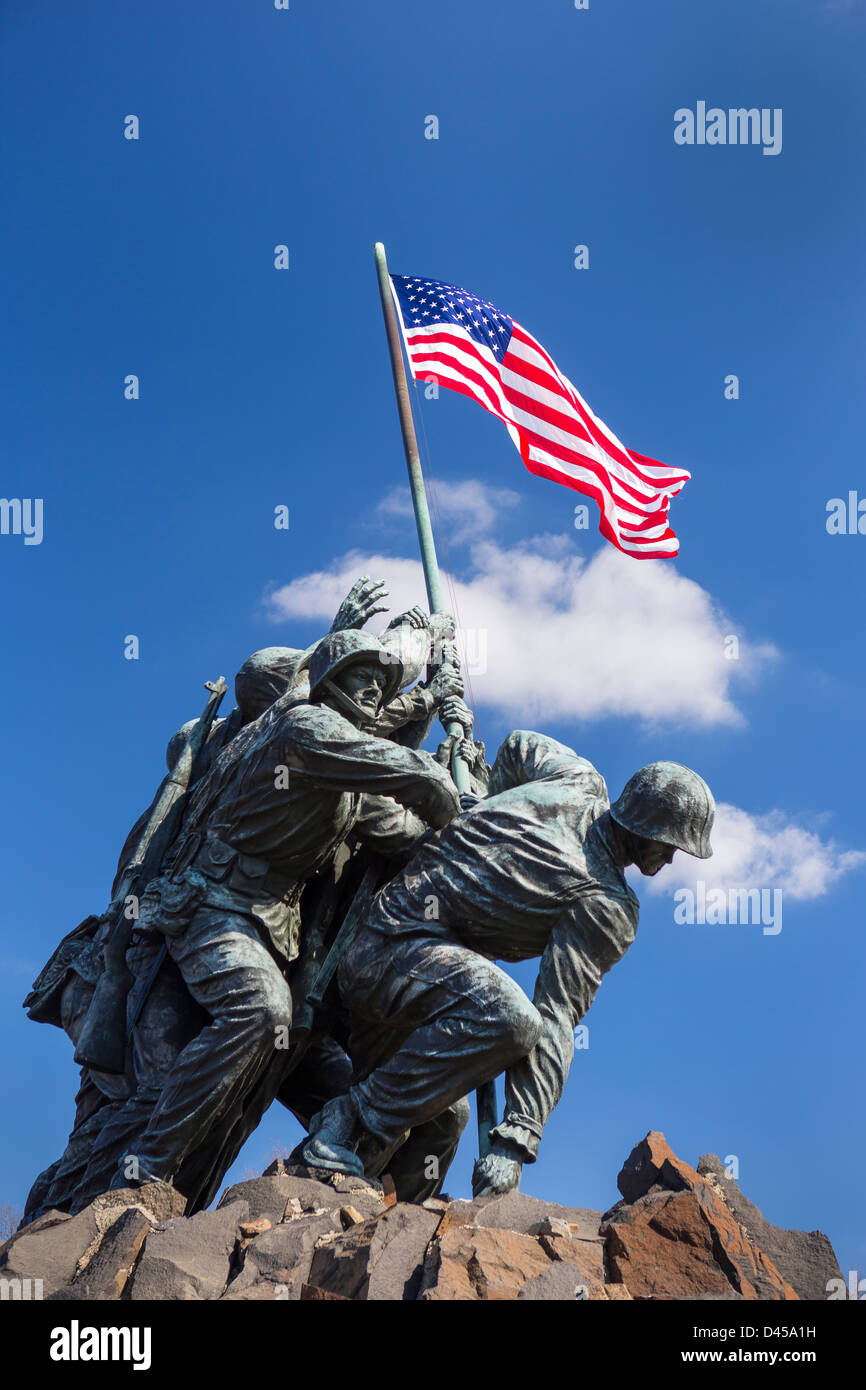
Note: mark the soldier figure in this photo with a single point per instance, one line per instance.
(273, 810)
(534, 869)
(112, 1110)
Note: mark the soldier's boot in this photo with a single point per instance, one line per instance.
(334, 1137)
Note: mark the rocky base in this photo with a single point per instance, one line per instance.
(678, 1233)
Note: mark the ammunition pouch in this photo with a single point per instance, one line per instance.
(169, 904)
(209, 872)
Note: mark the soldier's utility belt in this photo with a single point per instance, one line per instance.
(208, 871)
(245, 873)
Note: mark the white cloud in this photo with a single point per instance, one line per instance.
(470, 508)
(562, 637)
(764, 851)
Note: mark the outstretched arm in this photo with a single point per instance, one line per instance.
(332, 753)
(361, 603)
(568, 979)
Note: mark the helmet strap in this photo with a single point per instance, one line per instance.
(347, 705)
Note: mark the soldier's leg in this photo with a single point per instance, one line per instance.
(56, 1185)
(418, 1166)
(92, 1111)
(323, 1073)
(439, 1018)
(169, 1020)
(232, 975)
(98, 1096)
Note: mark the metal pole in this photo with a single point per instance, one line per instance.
(485, 1095)
(435, 596)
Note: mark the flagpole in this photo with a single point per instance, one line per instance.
(485, 1095)
(432, 578)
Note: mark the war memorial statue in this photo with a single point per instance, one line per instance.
(416, 1014)
(312, 908)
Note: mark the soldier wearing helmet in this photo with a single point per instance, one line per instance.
(535, 869)
(663, 808)
(263, 678)
(272, 811)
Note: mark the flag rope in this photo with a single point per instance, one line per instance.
(442, 547)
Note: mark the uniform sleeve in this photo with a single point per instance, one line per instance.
(568, 979)
(333, 754)
(389, 828)
(527, 757)
(415, 705)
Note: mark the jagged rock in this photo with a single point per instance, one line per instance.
(653, 1163)
(263, 1291)
(480, 1263)
(283, 1254)
(340, 1182)
(377, 1259)
(248, 1230)
(189, 1258)
(564, 1282)
(560, 1282)
(516, 1211)
(51, 1251)
(351, 1216)
(280, 1197)
(297, 1234)
(804, 1258)
(550, 1226)
(158, 1200)
(587, 1255)
(685, 1244)
(59, 1248)
(48, 1218)
(107, 1273)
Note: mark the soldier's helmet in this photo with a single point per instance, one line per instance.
(668, 802)
(264, 677)
(339, 650)
(177, 741)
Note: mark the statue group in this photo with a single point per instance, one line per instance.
(309, 912)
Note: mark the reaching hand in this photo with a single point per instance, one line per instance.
(467, 751)
(499, 1172)
(360, 603)
(453, 710)
(413, 617)
(446, 682)
(442, 627)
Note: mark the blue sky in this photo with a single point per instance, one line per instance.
(262, 387)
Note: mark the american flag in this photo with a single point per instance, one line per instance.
(468, 344)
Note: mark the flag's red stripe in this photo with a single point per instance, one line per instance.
(532, 406)
(480, 391)
(612, 482)
(627, 509)
(556, 383)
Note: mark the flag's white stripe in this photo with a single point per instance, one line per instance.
(518, 348)
(509, 414)
(577, 443)
(634, 541)
(589, 450)
(621, 510)
(574, 443)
